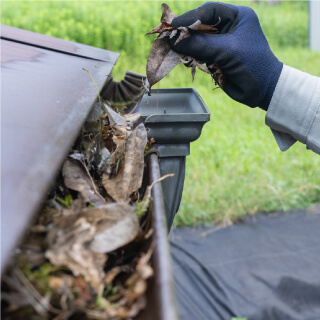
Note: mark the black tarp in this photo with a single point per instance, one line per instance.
(267, 267)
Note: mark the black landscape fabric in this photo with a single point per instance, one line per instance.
(267, 267)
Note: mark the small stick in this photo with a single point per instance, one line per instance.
(100, 106)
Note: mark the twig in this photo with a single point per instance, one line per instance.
(91, 179)
(100, 105)
(33, 292)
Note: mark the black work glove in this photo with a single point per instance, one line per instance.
(240, 49)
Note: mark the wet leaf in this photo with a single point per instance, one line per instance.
(77, 179)
(129, 177)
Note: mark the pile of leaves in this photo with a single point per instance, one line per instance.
(162, 58)
(88, 254)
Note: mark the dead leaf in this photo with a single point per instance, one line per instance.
(133, 119)
(217, 75)
(117, 224)
(80, 240)
(162, 27)
(119, 151)
(162, 59)
(77, 179)
(114, 117)
(129, 177)
(167, 13)
(102, 157)
(198, 26)
(193, 63)
(68, 249)
(184, 33)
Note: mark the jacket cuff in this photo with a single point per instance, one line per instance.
(294, 113)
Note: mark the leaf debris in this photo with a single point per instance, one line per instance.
(85, 256)
(162, 59)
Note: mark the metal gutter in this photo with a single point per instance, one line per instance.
(161, 303)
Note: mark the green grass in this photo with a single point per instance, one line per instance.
(235, 168)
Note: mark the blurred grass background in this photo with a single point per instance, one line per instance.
(235, 168)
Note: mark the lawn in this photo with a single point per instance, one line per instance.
(235, 168)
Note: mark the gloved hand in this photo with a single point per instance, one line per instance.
(240, 49)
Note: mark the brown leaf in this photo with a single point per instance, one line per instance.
(156, 29)
(77, 179)
(80, 239)
(114, 117)
(189, 62)
(129, 177)
(217, 75)
(119, 151)
(68, 249)
(133, 119)
(117, 224)
(162, 59)
(198, 26)
(162, 27)
(184, 33)
(167, 14)
(165, 34)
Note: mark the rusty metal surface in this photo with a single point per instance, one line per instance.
(161, 297)
(45, 98)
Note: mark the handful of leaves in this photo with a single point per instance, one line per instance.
(162, 59)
